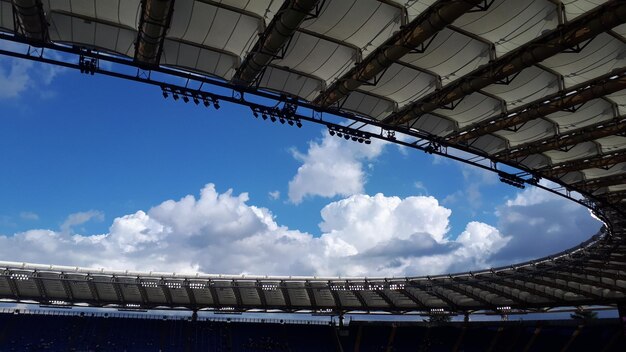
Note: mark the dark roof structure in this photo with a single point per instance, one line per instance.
(532, 90)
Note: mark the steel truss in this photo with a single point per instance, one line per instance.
(305, 112)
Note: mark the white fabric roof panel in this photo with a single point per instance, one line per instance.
(535, 161)
(122, 12)
(366, 104)
(473, 108)
(597, 172)
(402, 84)
(198, 58)
(489, 143)
(509, 24)
(594, 111)
(612, 144)
(317, 57)
(97, 35)
(282, 80)
(434, 124)
(362, 23)
(531, 131)
(599, 57)
(619, 99)
(6, 16)
(450, 55)
(579, 151)
(214, 27)
(263, 8)
(620, 30)
(575, 8)
(529, 85)
(414, 8)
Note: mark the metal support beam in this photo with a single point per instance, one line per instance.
(467, 293)
(40, 287)
(213, 290)
(261, 293)
(583, 28)
(600, 161)
(614, 197)
(66, 286)
(593, 89)
(190, 294)
(582, 281)
(142, 292)
(429, 23)
(596, 183)
(30, 19)
(93, 289)
(277, 35)
(358, 296)
(540, 278)
(413, 298)
(588, 133)
(154, 22)
(284, 290)
(166, 293)
(475, 283)
(237, 293)
(311, 294)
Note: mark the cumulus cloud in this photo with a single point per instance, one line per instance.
(332, 167)
(80, 218)
(540, 223)
(18, 75)
(222, 233)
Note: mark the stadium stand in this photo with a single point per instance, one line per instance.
(74, 331)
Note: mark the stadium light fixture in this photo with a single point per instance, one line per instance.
(196, 100)
(299, 124)
(216, 103)
(185, 98)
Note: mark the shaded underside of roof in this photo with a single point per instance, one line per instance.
(535, 84)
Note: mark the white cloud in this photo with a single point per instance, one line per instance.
(18, 75)
(29, 215)
(541, 223)
(80, 218)
(221, 233)
(332, 167)
(274, 195)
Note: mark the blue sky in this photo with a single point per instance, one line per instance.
(83, 157)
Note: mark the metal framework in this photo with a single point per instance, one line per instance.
(550, 107)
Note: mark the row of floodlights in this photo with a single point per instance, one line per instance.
(512, 180)
(367, 287)
(196, 96)
(286, 114)
(348, 133)
(87, 65)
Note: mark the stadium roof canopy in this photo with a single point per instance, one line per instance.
(534, 85)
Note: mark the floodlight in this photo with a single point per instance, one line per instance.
(331, 132)
(299, 124)
(273, 118)
(164, 94)
(185, 98)
(290, 122)
(196, 100)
